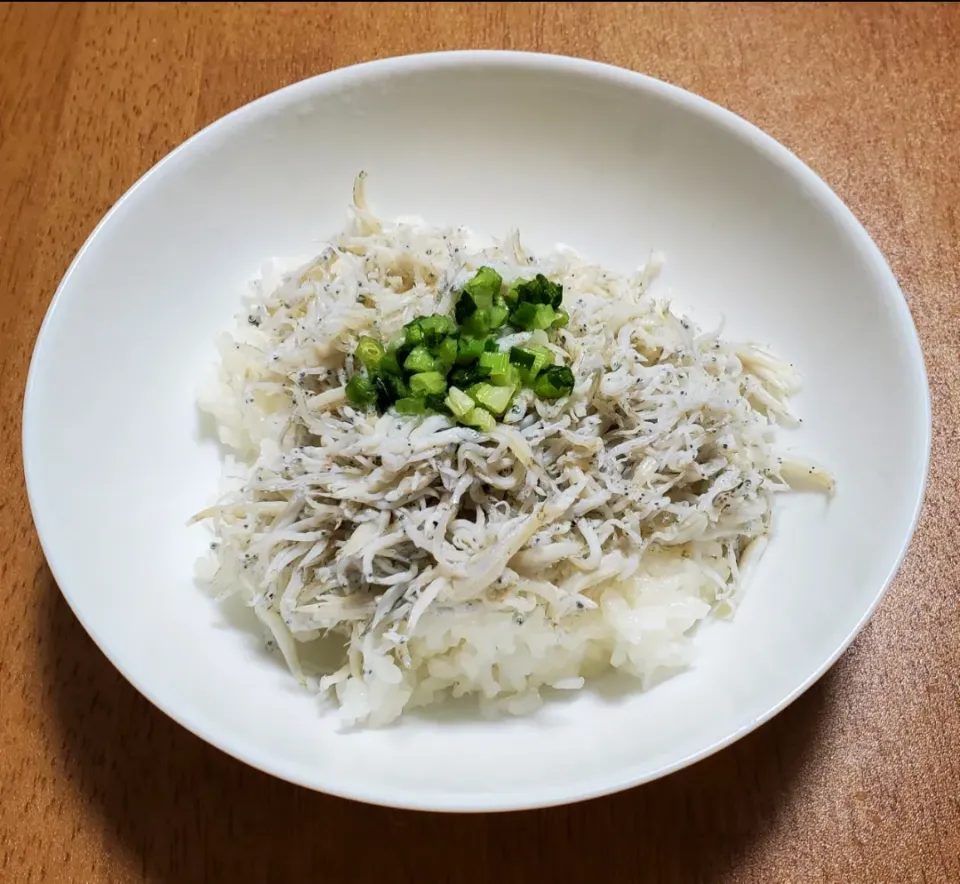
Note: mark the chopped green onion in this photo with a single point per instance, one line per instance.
(435, 327)
(494, 399)
(537, 291)
(532, 316)
(436, 402)
(403, 351)
(433, 353)
(471, 374)
(458, 401)
(369, 352)
(556, 294)
(427, 382)
(484, 286)
(544, 317)
(360, 391)
(419, 360)
(466, 307)
(496, 362)
(509, 377)
(523, 315)
(469, 350)
(477, 323)
(555, 382)
(410, 406)
(396, 385)
(542, 357)
(523, 357)
(386, 394)
(498, 312)
(388, 390)
(413, 334)
(445, 354)
(480, 418)
(389, 364)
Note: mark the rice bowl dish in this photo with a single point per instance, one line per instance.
(117, 456)
(475, 525)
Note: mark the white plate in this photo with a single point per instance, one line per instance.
(609, 161)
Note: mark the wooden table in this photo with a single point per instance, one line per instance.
(857, 781)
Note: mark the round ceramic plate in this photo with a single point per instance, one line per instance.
(611, 162)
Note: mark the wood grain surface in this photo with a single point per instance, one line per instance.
(859, 780)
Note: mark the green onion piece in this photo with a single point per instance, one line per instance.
(512, 297)
(413, 333)
(435, 327)
(429, 330)
(436, 402)
(530, 317)
(494, 399)
(466, 307)
(498, 312)
(387, 393)
(399, 347)
(427, 382)
(555, 382)
(498, 316)
(524, 316)
(458, 401)
(490, 345)
(544, 317)
(419, 360)
(360, 391)
(496, 362)
(389, 364)
(410, 406)
(523, 356)
(557, 298)
(480, 418)
(555, 291)
(484, 286)
(369, 352)
(477, 323)
(538, 291)
(561, 319)
(396, 385)
(542, 358)
(467, 375)
(469, 350)
(528, 292)
(510, 377)
(445, 354)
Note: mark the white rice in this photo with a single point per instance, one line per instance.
(587, 534)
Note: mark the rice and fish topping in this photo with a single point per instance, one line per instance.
(481, 471)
